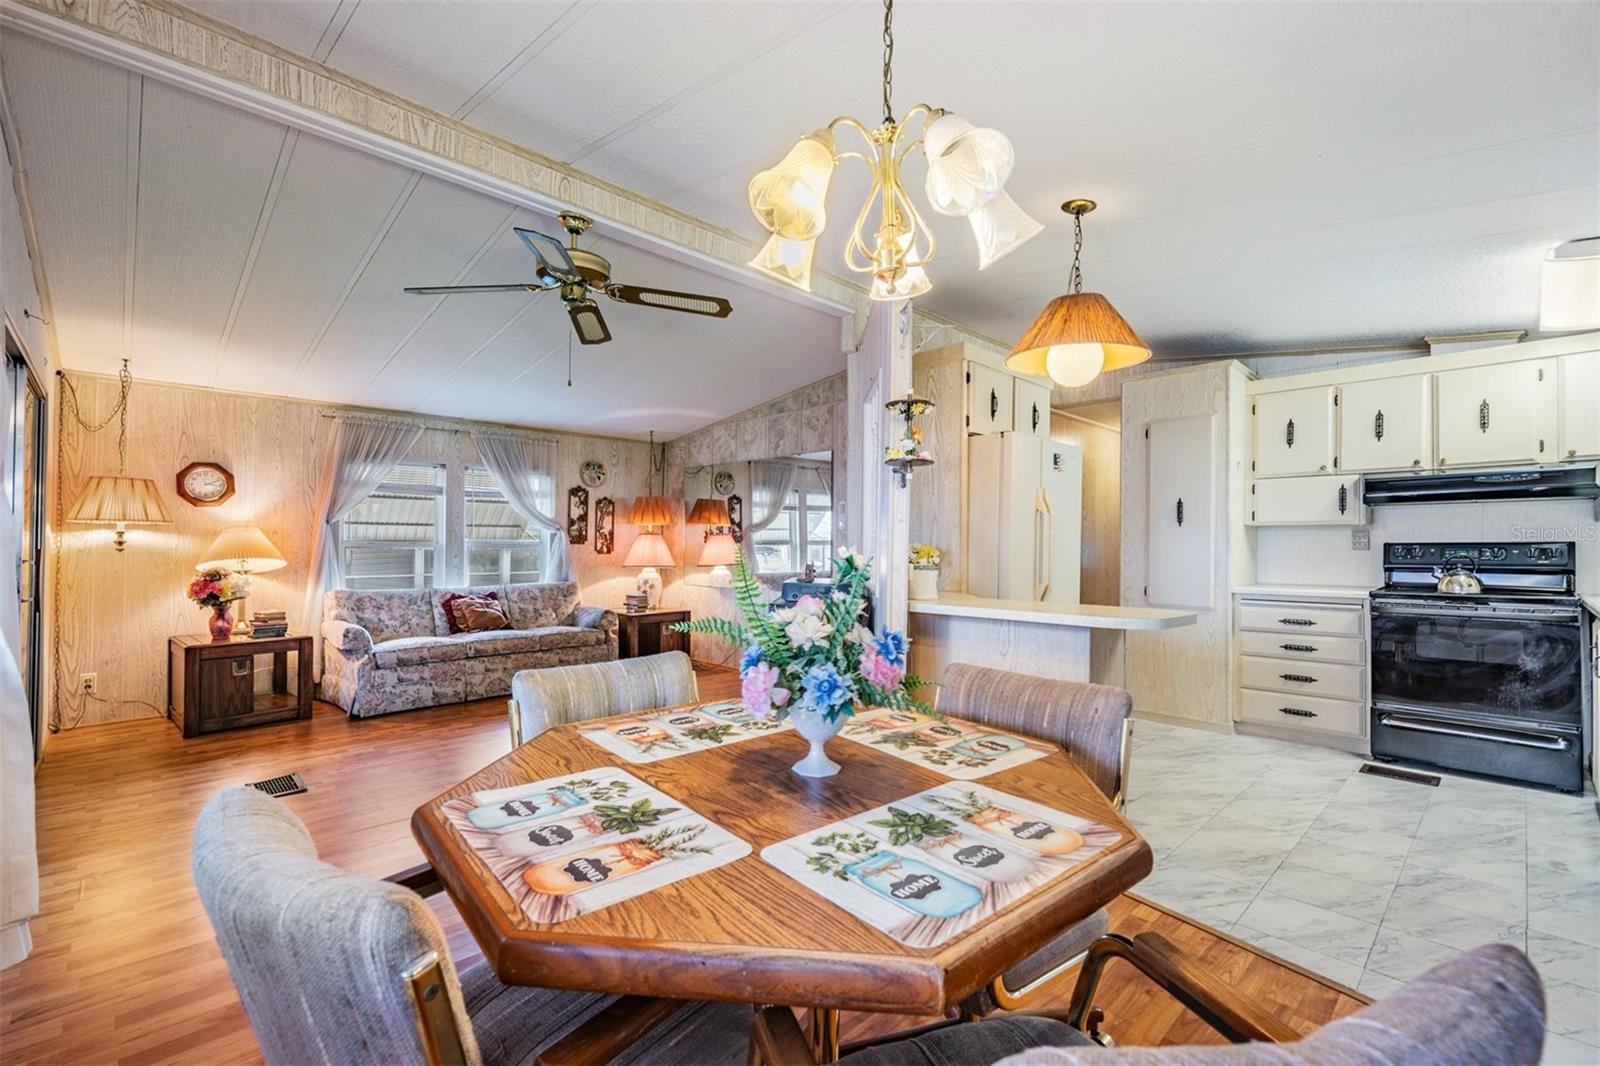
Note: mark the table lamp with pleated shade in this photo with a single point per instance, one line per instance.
(719, 553)
(648, 551)
(244, 550)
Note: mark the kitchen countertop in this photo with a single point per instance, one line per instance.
(1306, 592)
(1082, 615)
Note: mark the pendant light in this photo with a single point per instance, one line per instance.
(653, 510)
(119, 501)
(1078, 334)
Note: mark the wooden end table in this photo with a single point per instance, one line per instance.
(646, 633)
(211, 684)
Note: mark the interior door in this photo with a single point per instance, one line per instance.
(1179, 519)
(1294, 432)
(24, 493)
(1496, 414)
(1386, 425)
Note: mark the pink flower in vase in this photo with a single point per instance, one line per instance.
(760, 692)
(880, 672)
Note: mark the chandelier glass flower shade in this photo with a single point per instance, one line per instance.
(968, 167)
(1078, 334)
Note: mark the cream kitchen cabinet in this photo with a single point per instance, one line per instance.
(1386, 425)
(1302, 670)
(1179, 521)
(1295, 432)
(1030, 408)
(1501, 413)
(990, 400)
(1578, 379)
(1332, 500)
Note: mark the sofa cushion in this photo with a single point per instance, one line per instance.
(513, 641)
(414, 651)
(544, 604)
(479, 614)
(440, 626)
(386, 615)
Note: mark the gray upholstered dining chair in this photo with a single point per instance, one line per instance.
(556, 695)
(1094, 724)
(337, 968)
(1484, 1007)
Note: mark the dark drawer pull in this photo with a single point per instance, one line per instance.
(1304, 679)
(1296, 622)
(1298, 712)
(1298, 647)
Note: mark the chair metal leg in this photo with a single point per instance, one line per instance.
(1125, 763)
(824, 1033)
(516, 723)
(1014, 999)
(435, 1017)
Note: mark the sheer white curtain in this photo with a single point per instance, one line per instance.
(525, 469)
(361, 453)
(770, 485)
(19, 861)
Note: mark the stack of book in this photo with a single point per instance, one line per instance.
(269, 624)
(635, 601)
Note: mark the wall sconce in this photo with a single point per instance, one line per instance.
(908, 453)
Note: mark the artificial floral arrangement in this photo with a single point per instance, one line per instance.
(925, 557)
(218, 588)
(814, 656)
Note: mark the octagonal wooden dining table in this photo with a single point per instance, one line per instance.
(745, 931)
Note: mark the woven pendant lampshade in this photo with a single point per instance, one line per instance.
(651, 511)
(709, 512)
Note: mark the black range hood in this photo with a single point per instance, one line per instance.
(1548, 483)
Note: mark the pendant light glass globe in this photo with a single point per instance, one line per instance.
(788, 199)
(912, 282)
(787, 261)
(1074, 365)
(968, 166)
(999, 227)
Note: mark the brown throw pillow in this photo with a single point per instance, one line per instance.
(476, 614)
(448, 606)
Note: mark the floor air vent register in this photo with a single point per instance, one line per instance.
(282, 785)
(1398, 774)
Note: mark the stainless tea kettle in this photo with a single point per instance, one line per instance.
(1458, 576)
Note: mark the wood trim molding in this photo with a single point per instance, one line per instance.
(164, 40)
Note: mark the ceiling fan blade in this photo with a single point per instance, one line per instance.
(692, 303)
(551, 254)
(588, 322)
(433, 290)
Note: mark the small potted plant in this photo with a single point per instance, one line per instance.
(925, 560)
(217, 589)
(814, 663)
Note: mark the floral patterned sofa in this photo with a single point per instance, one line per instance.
(393, 651)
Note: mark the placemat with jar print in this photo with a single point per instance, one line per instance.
(656, 735)
(932, 865)
(962, 750)
(573, 844)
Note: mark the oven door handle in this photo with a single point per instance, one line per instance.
(1509, 614)
(1546, 742)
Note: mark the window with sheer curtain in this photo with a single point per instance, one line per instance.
(501, 546)
(391, 540)
(801, 533)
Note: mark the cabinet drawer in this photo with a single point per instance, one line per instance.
(1278, 617)
(1347, 717)
(1339, 681)
(1304, 647)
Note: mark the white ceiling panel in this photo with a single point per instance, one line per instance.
(315, 237)
(204, 170)
(82, 157)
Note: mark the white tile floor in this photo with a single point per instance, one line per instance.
(1369, 880)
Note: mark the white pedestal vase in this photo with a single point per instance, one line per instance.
(818, 730)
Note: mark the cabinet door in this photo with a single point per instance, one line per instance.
(1294, 432)
(1179, 563)
(1496, 414)
(1578, 379)
(1030, 408)
(989, 399)
(1334, 500)
(1386, 425)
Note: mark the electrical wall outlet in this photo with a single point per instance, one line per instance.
(1361, 540)
(89, 684)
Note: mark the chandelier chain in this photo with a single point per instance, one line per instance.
(119, 412)
(888, 59)
(1077, 253)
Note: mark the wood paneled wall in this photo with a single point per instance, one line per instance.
(1100, 577)
(115, 611)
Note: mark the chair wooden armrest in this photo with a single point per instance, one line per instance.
(1215, 1002)
(611, 1032)
(420, 879)
(776, 1039)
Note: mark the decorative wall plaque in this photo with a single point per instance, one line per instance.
(605, 520)
(577, 516)
(736, 518)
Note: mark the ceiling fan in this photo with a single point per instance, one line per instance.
(575, 273)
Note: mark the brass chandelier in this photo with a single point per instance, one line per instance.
(968, 167)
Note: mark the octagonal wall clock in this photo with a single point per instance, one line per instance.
(205, 484)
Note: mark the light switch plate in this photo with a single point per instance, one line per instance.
(1361, 540)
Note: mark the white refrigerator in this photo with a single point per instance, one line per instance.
(1024, 517)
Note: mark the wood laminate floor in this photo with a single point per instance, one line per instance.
(125, 969)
